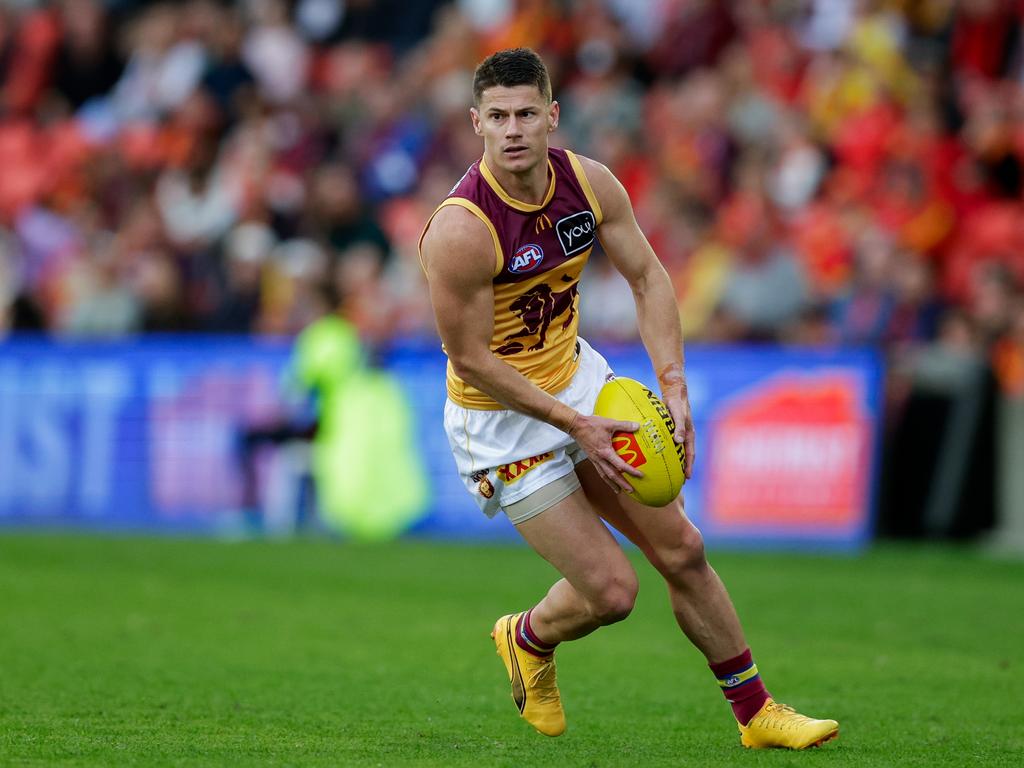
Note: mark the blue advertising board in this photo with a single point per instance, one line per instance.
(145, 434)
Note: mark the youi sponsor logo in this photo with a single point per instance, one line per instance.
(576, 232)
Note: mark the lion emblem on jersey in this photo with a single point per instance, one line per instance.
(538, 308)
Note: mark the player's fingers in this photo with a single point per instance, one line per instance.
(614, 480)
(625, 426)
(622, 466)
(675, 408)
(691, 453)
(616, 467)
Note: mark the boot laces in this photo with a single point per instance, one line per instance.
(783, 717)
(542, 680)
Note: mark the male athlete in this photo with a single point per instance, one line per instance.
(503, 256)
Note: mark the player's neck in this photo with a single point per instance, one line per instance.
(529, 186)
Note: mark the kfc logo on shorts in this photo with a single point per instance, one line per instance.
(509, 473)
(576, 232)
(526, 259)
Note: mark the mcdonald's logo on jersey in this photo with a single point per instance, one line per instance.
(541, 223)
(509, 473)
(626, 445)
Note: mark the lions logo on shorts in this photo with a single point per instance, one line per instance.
(484, 484)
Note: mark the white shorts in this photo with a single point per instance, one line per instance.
(504, 456)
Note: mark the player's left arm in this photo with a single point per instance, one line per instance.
(657, 311)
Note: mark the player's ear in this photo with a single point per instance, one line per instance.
(474, 115)
(553, 116)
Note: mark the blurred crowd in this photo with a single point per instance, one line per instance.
(810, 172)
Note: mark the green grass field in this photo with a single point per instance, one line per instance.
(133, 651)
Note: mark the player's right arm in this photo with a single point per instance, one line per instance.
(458, 256)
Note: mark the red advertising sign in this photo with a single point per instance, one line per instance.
(793, 452)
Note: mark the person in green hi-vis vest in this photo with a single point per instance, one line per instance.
(369, 478)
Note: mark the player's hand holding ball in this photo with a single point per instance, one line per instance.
(652, 447)
(677, 400)
(596, 436)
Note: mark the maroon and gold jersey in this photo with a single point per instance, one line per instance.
(540, 252)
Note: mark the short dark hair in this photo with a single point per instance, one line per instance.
(509, 68)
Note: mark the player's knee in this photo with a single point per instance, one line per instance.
(616, 600)
(685, 556)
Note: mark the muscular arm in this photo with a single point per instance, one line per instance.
(657, 311)
(459, 258)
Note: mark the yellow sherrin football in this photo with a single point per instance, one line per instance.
(651, 449)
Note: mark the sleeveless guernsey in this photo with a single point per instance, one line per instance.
(540, 252)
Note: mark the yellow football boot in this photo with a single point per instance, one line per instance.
(781, 726)
(534, 689)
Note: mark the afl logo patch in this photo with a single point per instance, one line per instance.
(526, 259)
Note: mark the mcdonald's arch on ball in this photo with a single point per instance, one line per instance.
(651, 449)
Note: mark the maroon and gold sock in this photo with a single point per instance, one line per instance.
(741, 685)
(528, 641)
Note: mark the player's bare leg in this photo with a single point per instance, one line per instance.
(599, 584)
(675, 548)
(706, 614)
(598, 587)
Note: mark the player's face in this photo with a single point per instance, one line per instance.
(515, 123)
